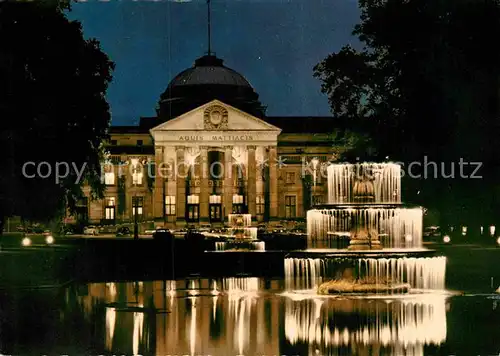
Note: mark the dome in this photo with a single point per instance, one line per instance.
(209, 70)
(207, 80)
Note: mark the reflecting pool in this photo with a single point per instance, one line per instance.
(242, 316)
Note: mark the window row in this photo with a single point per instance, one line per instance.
(238, 201)
(137, 178)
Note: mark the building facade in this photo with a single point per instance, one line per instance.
(211, 151)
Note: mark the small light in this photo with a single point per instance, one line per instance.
(49, 240)
(498, 241)
(408, 238)
(492, 230)
(464, 230)
(26, 241)
(446, 239)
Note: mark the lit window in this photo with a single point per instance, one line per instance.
(109, 210)
(137, 172)
(137, 178)
(237, 199)
(193, 199)
(170, 205)
(290, 177)
(137, 205)
(215, 199)
(260, 204)
(290, 206)
(109, 178)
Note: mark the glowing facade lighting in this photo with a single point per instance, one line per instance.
(49, 240)
(446, 239)
(464, 230)
(26, 241)
(492, 230)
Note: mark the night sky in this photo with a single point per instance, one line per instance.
(273, 43)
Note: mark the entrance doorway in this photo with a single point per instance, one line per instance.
(193, 213)
(215, 212)
(215, 208)
(239, 206)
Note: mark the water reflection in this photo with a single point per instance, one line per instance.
(247, 316)
(371, 327)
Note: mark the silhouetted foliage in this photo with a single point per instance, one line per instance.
(426, 83)
(52, 107)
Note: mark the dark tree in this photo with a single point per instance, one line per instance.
(52, 108)
(426, 83)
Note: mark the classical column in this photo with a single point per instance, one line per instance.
(204, 190)
(158, 194)
(228, 180)
(181, 174)
(273, 183)
(252, 182)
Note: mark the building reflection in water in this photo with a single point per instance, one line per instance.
(245, 316)
(228, 316)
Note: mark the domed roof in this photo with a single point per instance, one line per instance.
(207, 80)
(209, 70)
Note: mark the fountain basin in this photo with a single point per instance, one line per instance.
(311, 270)
(341, 286)
(240, 244)
(395, 227)
(346, 253)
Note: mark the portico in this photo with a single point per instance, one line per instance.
(213, 161)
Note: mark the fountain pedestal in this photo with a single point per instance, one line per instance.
(364, 240)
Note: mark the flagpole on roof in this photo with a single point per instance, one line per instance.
(209, 25)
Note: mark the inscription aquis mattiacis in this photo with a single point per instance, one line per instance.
(221, 138)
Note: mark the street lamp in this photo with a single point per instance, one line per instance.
(314, 162)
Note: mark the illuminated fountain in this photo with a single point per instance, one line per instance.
(242, 235)
(365, 240)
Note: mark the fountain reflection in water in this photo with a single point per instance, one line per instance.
(360, 326)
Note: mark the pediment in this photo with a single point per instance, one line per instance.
(216, 116)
